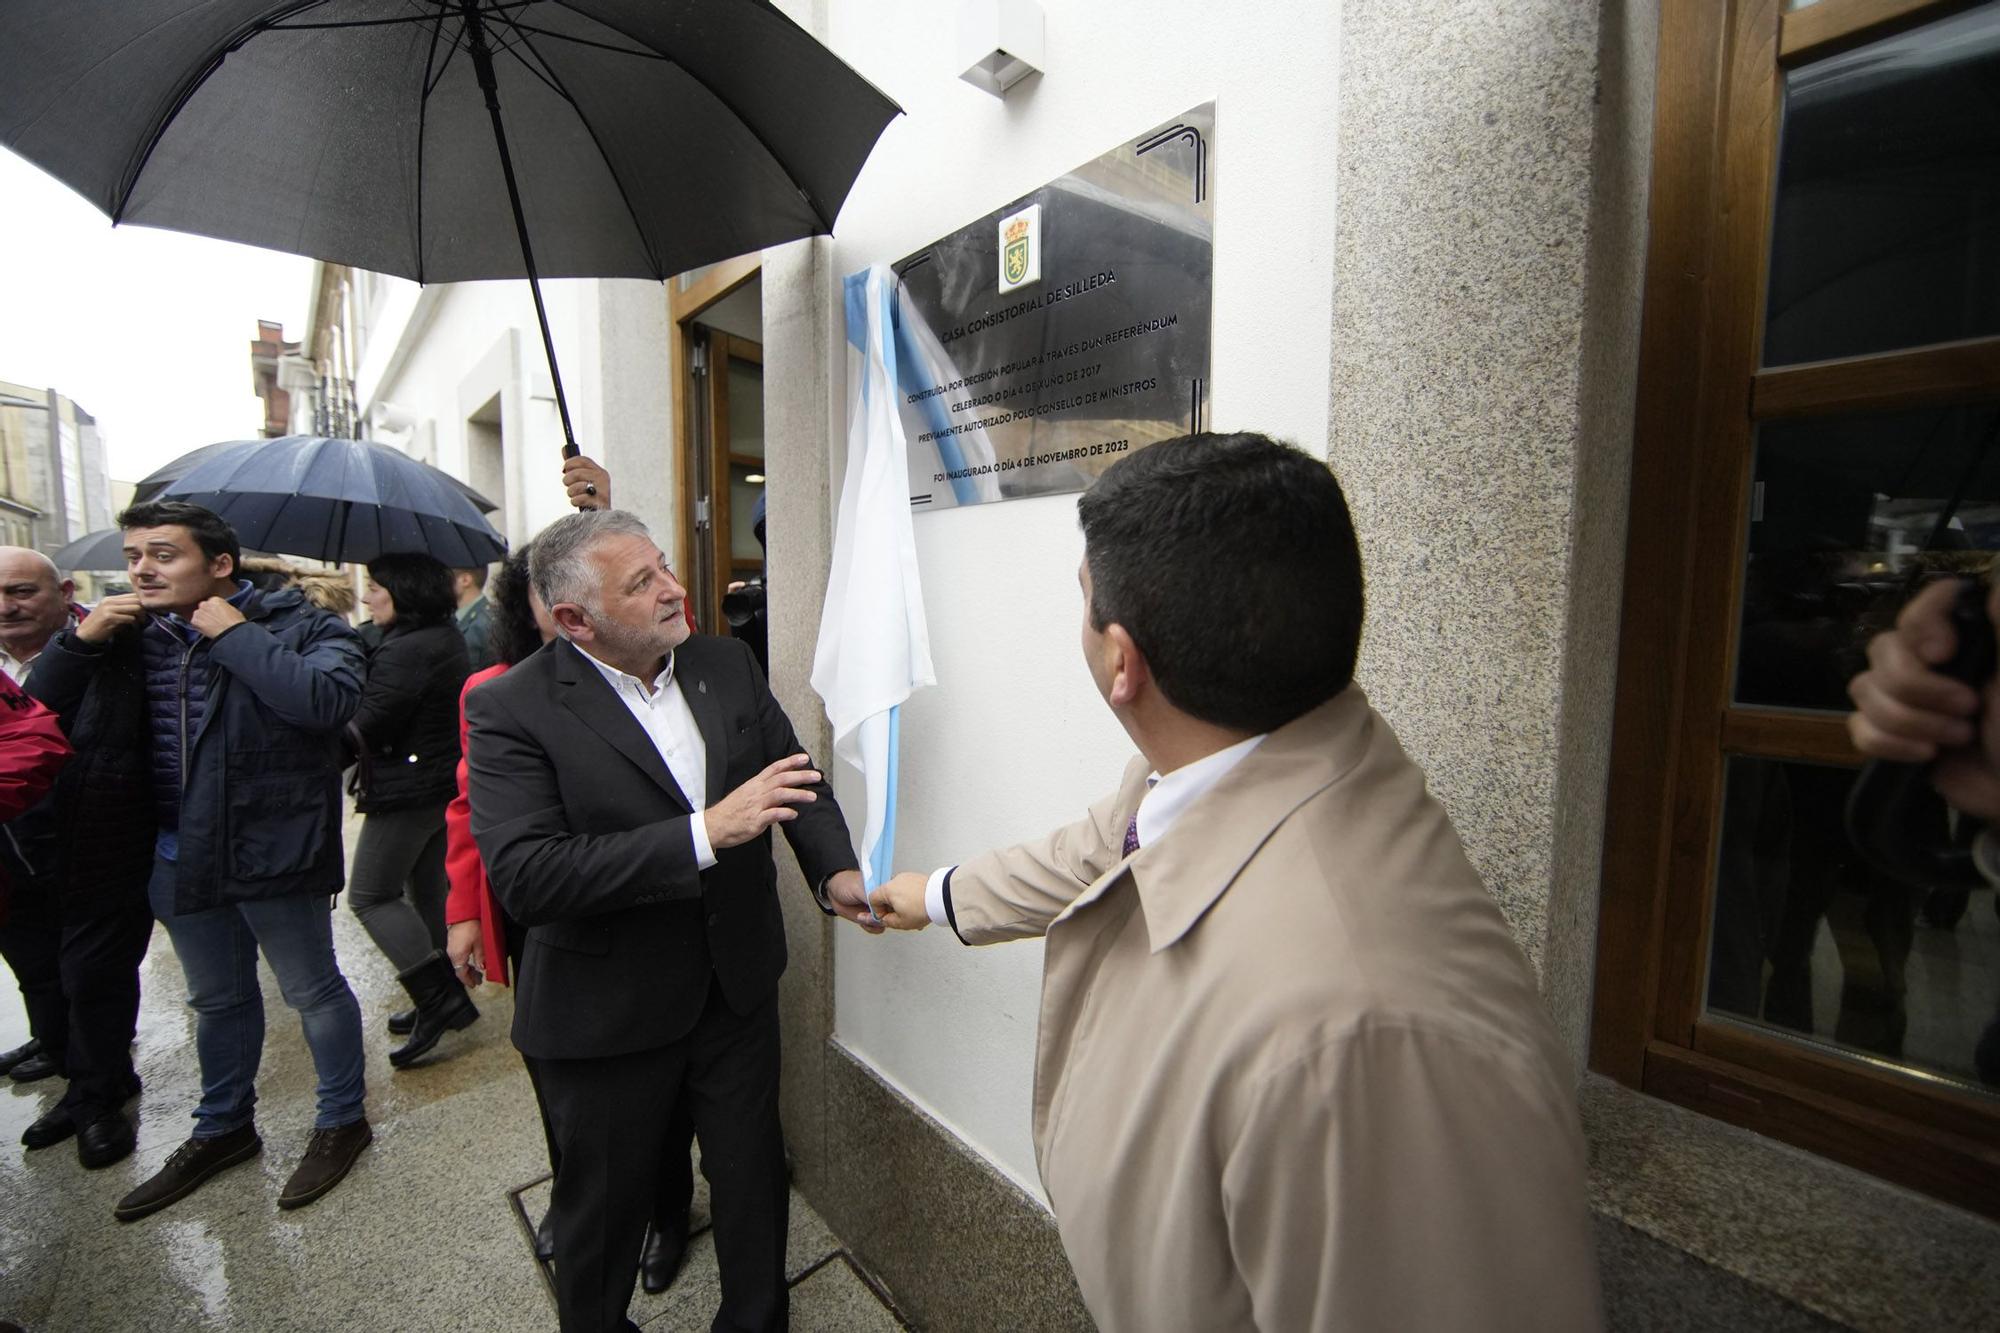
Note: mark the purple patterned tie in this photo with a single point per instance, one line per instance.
(1132, 836)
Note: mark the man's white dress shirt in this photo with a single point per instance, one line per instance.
(663, 713)
(1167, 797)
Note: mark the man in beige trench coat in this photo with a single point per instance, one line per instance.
(1293, 1072)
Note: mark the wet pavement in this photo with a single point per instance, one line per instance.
(431, 1230)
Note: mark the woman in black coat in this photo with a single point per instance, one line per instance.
(405, 736)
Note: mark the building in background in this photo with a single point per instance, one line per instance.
(267, 356)
(55, 485)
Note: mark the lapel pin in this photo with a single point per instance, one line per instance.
(701, 685)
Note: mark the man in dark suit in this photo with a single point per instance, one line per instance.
(624, 782)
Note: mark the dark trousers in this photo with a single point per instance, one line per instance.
(77, 957)
(676, 1181)
(612, 1118)
(31, 942)
(103, 943)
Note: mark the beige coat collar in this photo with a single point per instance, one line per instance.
(1183, 875)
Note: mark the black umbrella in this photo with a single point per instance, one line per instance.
(644, 137)
(100, 552)
(337, 500)
(156, 481)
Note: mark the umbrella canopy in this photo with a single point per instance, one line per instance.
(155, 482)
(649, 137)
(94, 552)
(337, 500)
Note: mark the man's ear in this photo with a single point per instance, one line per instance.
(223, 566)
(573, 621)
(69, 590)
(1127, 669)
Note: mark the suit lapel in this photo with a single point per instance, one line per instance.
(698, 688)
(590, 697)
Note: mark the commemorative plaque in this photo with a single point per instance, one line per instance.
(1040, 344)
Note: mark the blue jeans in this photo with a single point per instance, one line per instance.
(218, 953)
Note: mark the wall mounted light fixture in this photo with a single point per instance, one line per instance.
(1000, 42)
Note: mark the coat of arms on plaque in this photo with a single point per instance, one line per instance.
(1021, 248)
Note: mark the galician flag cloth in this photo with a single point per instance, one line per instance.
(874, 647)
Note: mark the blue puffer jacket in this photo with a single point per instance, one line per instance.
(257, 763)
(178, 672)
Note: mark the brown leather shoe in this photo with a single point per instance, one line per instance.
(329, 1154)
(187, 1170)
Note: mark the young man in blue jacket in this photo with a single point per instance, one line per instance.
(245, 697)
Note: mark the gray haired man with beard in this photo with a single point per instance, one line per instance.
(624, 784)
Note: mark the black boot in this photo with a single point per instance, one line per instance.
(402, 1022)
(442, 1006)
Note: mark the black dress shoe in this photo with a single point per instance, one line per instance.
(55, 1125)
(8, 1059)
(35, 1067)
(402, 1022)
(660, 1261)
(107, 1139)
(545, 1238)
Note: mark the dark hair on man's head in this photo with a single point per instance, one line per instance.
(419, 585)
(1231, 561)
(209, 531)
(514, 635)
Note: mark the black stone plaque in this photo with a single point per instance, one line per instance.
(1053, 336)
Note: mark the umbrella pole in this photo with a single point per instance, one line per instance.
(482, 64)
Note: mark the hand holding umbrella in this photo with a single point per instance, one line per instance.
(586, 481)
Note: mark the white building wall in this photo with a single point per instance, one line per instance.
(434, 357)
(1015, 740)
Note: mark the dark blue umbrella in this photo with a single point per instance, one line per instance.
(155, 483)
(337, 500)
(96, 552)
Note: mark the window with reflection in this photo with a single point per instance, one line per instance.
(1812, 942)
(1848, 517)
(1840, 261)
(1886, 225)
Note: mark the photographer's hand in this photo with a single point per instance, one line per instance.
(1908, 712)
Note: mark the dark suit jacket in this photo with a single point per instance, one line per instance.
(587, 842)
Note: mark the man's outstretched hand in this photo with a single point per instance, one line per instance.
(1909, 712)
(847, 897)
(900, 902)
(767, 799)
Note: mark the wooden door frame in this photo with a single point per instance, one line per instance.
(683, 307)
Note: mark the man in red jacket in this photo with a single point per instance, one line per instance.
(32, 750)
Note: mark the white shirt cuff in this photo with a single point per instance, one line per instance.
(704, 855)
(934, 897)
